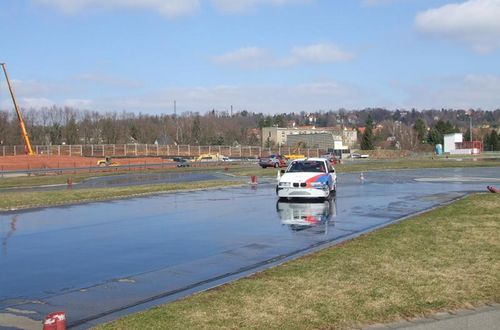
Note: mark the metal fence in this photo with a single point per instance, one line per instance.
(155, 150)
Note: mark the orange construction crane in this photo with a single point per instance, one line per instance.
(24, 133)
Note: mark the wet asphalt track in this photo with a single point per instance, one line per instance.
(100, 260)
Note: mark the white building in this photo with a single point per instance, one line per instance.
(450, 141)
(319, 140)
(454, 144)
(279, 136)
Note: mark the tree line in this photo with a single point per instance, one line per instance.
(55, 125)
(403, 129)
(419, 136)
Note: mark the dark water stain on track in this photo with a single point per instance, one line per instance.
(134, 179)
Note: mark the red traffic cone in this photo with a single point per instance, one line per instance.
(55, 321)
(493, 189)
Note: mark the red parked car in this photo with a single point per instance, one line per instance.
(272, 161)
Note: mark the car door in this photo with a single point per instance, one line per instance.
(333, 176)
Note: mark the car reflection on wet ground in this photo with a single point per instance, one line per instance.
(302, 215)
(100, 260)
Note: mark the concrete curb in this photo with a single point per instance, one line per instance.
(484, 317)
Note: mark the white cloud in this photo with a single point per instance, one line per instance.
(238, 6)
(255, 57)
(377, 2)
(269, 99)
(462, 92)
(168, 8)
(104, 79)
(35, 94)
(43, 102)
(371, 3)
(78, 103)
(320, 53)
(245, 57)
(459, 92)
(35, 102)
(32, 89)
(474, 22)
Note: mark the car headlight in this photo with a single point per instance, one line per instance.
(285, 184)
(318, 184)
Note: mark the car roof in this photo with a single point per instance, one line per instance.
(319, 159)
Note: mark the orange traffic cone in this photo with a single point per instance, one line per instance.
(253, 179)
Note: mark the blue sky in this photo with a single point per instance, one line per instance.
(258, 55)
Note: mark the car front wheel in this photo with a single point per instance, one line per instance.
(334, 190)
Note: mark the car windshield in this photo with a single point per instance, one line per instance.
(307, 166)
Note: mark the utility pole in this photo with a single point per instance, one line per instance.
(470, 128)
(176, 124)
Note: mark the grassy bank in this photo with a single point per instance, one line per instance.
(445, 259)
(408, 163)
(364, 165)
(15, 200)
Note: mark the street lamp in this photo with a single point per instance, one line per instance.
(470, 127)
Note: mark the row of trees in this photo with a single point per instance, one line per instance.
(402, 136)
(387, 129)
(69, 126)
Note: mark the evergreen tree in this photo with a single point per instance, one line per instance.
(134, 133)
(71, 131)
(55, 134)
(421, 129)
(196, 130)
(435, 137)
(265, 122)
(494, 141)
(367, 138)
(279, 120)
(445, 128)
(467, 135)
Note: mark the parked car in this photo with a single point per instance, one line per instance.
(181, 162)
(212, 158)
(331, 157)
(272, 161)
(357, 155)
(107, 161)
(308, 178)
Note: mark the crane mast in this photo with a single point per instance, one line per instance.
(24, 133)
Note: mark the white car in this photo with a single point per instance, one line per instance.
(308, 178)
(356, 155)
